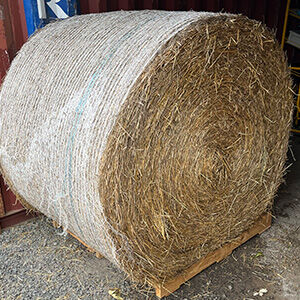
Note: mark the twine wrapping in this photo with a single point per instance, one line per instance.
(154, 136)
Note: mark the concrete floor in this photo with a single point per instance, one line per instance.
(38, 263)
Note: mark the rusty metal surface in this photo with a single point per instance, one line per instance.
(12, 37)
(12, 26)
(15, 217)
(18, 23)
(9, 199)
(5, 39)
(2, 211)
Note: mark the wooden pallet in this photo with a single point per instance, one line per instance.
(98, 254)
(2, 211)
(167, 288)
(262, 224)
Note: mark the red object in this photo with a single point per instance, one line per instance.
(14, 217)
(18, 24)
(13, 34)
(148, 4)
(2, 211)
(213, 5)
(9, 199)
(11, 210)
(91, 6)
(5, 41)
(192, 4)
(4, 63)
(125, 4)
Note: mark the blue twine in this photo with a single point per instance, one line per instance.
(79, 111)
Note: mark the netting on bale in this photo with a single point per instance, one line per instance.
(155, 137)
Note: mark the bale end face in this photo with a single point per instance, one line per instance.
(198, 151)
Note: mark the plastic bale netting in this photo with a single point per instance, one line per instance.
(156, 137)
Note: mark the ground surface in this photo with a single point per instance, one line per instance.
(38, 263)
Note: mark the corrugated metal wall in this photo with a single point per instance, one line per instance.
(271, 12)
(13, 34)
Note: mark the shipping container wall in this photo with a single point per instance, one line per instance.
(13, 34)
(13, 31)
(2, 211)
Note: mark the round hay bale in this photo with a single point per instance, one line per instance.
(155, 137)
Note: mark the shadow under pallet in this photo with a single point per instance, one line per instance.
(167, 288)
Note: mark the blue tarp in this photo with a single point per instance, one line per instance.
(40, 12)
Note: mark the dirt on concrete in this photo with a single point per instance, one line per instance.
(36, 262)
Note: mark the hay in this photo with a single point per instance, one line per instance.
(155, 137)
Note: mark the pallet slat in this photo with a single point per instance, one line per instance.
(2, 211)
(165, 289)
(98, 254)
(263, 223)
